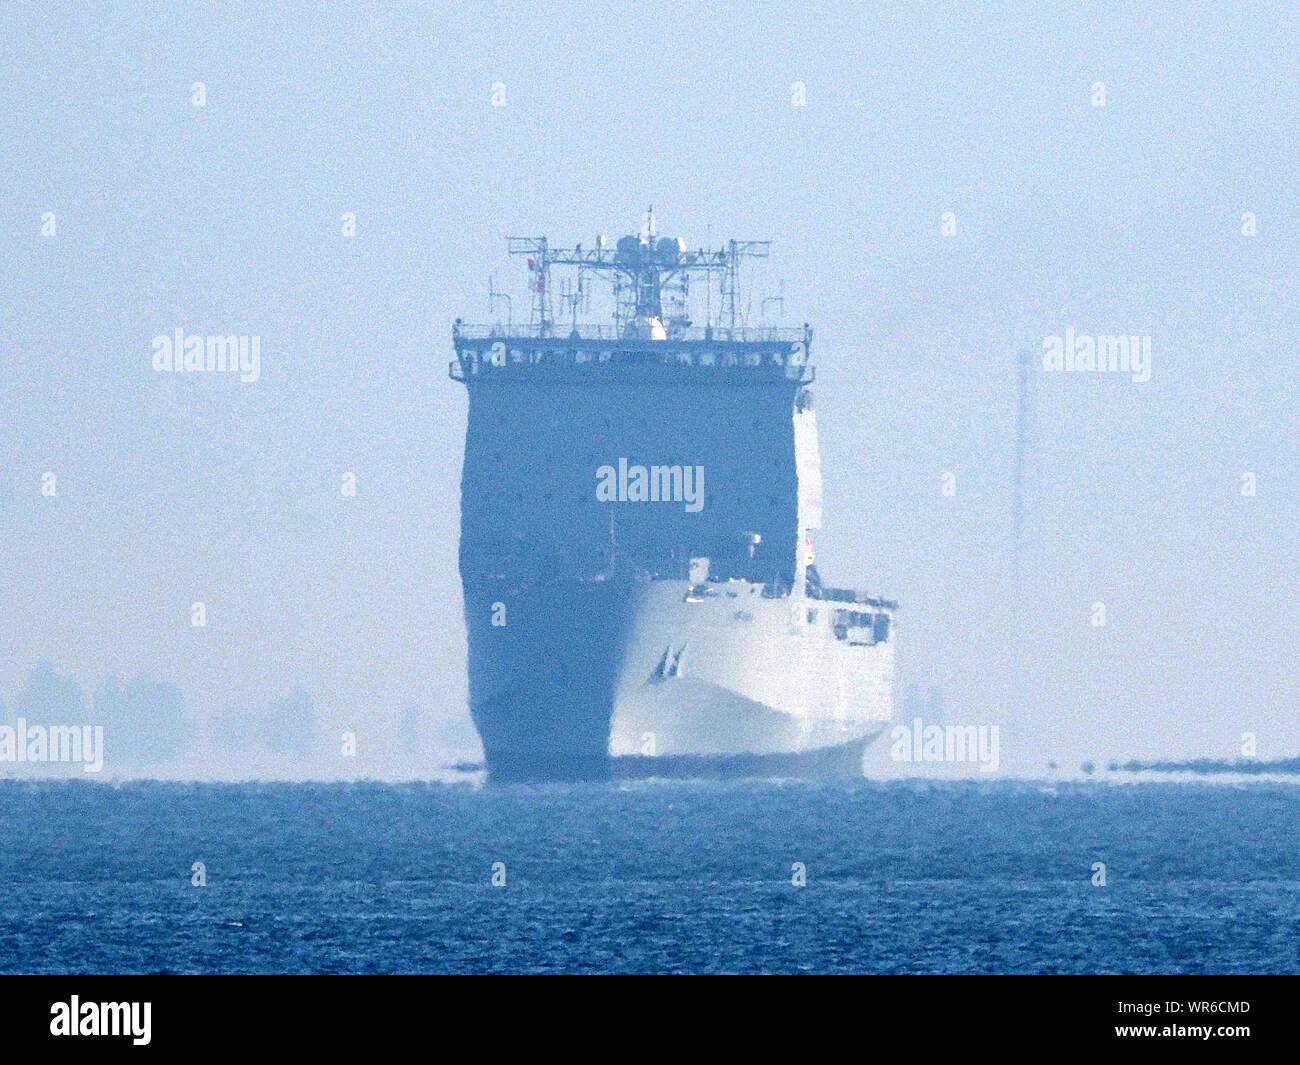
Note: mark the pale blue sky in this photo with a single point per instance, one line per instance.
(226, 219)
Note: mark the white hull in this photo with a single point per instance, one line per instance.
(731, 672)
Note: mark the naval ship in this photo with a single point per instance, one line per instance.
(637, 503)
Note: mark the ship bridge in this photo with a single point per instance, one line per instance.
(553, 405)
(596, 351)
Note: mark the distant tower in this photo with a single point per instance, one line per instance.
(1023, 462)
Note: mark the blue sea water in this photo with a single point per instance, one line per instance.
(655, 877)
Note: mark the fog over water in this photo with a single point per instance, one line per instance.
(1166, 210)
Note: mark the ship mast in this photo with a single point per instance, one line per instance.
(650, 278)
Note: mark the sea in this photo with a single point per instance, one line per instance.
(651, 877)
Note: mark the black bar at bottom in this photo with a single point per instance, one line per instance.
(304, 1014)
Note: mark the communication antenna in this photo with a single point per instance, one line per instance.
(493, 296)
(736, 251)
(779, 300)
(573, 295)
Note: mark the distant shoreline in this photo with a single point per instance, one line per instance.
(1210, 765)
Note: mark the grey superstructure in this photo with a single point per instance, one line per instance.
(637, 502)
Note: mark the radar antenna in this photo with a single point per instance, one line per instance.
(650, 277)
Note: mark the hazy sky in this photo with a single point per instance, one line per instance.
(1125, 218)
